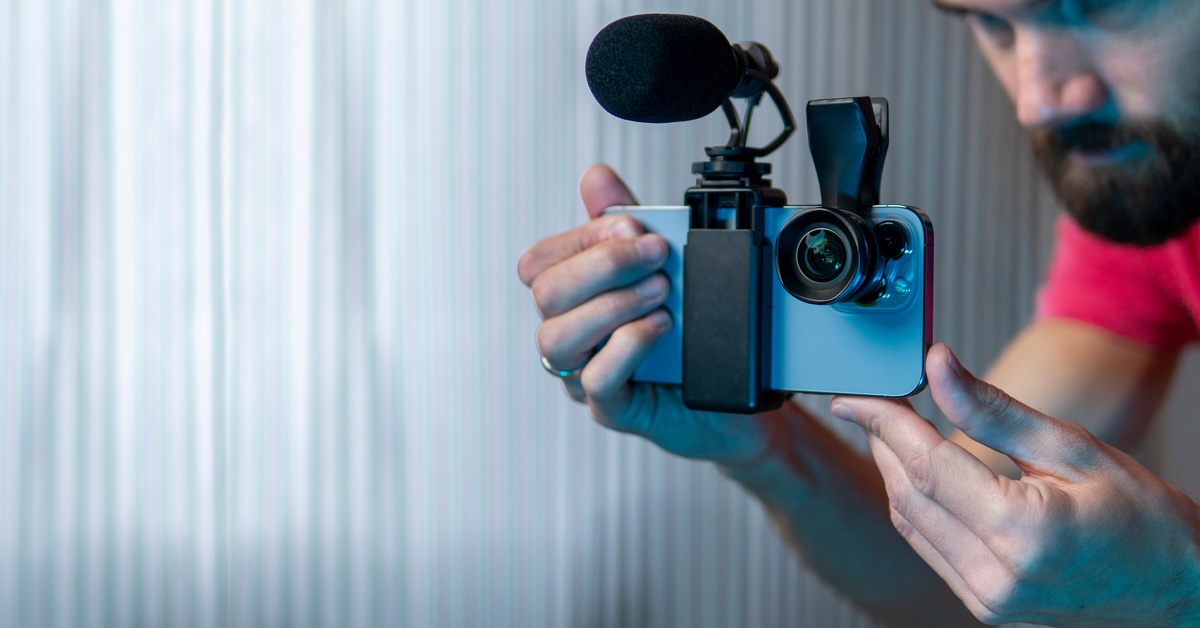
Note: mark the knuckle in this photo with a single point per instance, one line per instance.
(984, 614)
(902, 525)
(606, 263)
(594, 231)
(617, 263)
(995, 398)
(591, 383)
(547, 339)
(1036, 552)
(527, 266)
(1008, 510)
(622, 226)
(590, 388)
(622, 305)
(920, 473)
(1022, 562)
(623, 256)
(545, 296)
(1082, 449)
(595, 383)
(618, 305)
(590, 234)
(1035, 559)
(1000, 601)
(924, 470)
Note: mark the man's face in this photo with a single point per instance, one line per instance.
(1110, 93)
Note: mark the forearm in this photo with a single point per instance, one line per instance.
(1110, 385)
(828, 503)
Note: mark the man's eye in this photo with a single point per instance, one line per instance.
(993, 26)
(988, 21)
(1101, 11)
(1086, 7)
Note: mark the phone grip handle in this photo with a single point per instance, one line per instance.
(724, 369)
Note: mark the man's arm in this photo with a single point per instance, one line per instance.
(828, 503)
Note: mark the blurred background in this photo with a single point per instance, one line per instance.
(264, 357)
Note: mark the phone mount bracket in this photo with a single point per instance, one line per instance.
(726, 295)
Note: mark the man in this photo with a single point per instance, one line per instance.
(1086, 536)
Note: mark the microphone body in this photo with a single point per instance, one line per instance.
(667, 68)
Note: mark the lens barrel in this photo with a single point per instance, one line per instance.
(825, 256)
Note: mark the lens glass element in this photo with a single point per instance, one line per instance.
(825, 256)
(821, 255)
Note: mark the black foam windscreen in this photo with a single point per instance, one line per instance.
(661, 68)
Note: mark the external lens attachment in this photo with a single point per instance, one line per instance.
(825, 256)
(822, 254)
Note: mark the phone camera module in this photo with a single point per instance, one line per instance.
(892, 238)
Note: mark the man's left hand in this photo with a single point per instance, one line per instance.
(1087, 536)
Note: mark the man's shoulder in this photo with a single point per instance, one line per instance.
(1147, 294)
(1071, 236)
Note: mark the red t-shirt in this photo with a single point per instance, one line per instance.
(1147, 294)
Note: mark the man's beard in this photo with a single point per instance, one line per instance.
(1144, 201)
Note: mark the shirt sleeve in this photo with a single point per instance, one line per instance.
(1120, 288)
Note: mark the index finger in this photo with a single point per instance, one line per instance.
(557, 248)
(600, 189)
(935, 466)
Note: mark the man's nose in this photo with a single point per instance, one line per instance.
(1057, 82)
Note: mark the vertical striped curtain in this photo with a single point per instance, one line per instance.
(264, 358)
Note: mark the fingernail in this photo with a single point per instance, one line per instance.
(954, 364)
(660, 319)
(652, 248)
(842, 412)
(652, 287)
(622, 228)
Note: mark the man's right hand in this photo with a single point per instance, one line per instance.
(602, 281)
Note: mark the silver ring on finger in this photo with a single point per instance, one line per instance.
(561, 374)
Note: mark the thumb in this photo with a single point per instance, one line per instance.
(601, 188)
(1036, 442)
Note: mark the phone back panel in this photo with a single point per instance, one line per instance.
(851, 349)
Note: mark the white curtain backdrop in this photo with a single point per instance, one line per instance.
(264, 357)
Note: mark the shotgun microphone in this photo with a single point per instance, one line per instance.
(671, 68)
